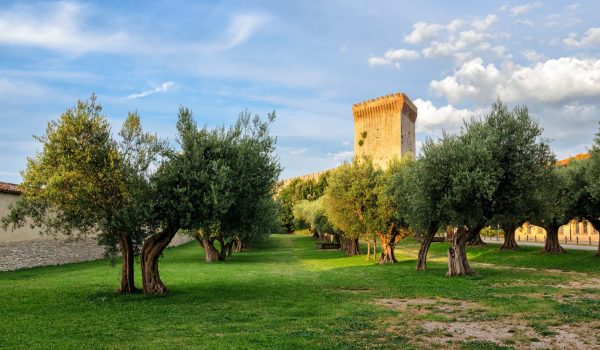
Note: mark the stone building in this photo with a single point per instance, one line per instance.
(8, 195)
(384, 128)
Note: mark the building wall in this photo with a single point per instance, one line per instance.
(408, 131)
(24, 233)
(573, 232)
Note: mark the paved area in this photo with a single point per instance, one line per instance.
(20, 255)
(594, 246)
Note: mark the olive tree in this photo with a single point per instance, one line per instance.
(388, 218)
(84, 183)
(348, 198)
(524, 159)
(593, 187)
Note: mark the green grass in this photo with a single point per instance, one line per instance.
(285, 294)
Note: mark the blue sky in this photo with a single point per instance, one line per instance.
(309, 61)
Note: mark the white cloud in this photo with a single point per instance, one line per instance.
(555, 80)
(423, 31)
(456, 44)
(241, 28)
(344, 48)
(525, 22)
(393, 56)
(57, 26)
(590, 38)
(484, 23)
(62, 26)
(532, 56)
(573, 7)
(455, 25)
(162, 88)
(341, 156)
(433, 120)
(522, 9)
(298, 152)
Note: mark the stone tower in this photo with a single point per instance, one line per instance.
(384, 128)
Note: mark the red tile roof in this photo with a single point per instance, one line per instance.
(9, 188)
(577, 157)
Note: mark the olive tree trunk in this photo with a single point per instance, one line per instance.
(510, 243)
(458, 265)
(222, 250)
(230, 248)
(552, 245)
(351, 247)
(210, 252)
(388, 243)
(431, 231)
(596, 224)
(151, 250)
(475, 237)
(127, 282)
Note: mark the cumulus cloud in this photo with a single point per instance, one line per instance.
(162, 88)
(590, 38)
(393, 56)
(532, 56)
(433, 120)
(423, 31)
(523, 9)
(555, 80)
(484, 23)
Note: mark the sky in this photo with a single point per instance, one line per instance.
(308, 61)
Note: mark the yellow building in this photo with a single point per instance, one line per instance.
(576, 232)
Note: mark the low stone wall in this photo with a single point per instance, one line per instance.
(45, 252)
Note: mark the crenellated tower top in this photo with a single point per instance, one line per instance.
(384, 128)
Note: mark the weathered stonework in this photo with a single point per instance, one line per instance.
(384, 128)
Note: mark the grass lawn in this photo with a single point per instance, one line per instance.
(285, 294)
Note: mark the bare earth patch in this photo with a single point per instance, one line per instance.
(423, 305)
(451, 332)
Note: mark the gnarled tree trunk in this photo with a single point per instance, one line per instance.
(151, 250)
(458, 265)
(352, 247)
(230, 248)
(552, 245)
(240, 246)
(475, 237)
(222, 250)
(315, 233)
(422, 262)
(510, 243)
(210, 252)
(127, 281)
(388, 243)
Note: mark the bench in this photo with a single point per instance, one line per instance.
(327, 245)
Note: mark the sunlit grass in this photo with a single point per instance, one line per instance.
(281, 294)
